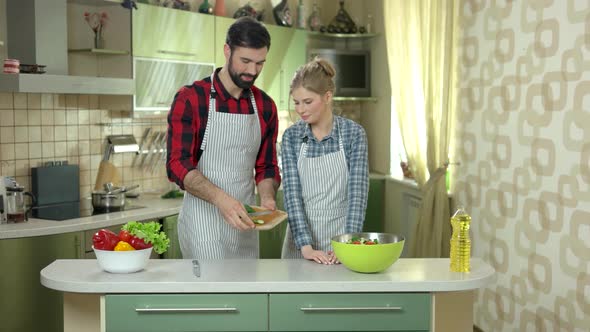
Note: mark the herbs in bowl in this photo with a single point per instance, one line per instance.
(129, 250)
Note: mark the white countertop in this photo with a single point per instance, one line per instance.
(263, 276)
(154, 208)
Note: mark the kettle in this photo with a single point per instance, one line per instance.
(16, 209)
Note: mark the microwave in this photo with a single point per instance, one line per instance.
(353, 70)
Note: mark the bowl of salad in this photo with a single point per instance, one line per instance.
(368, 252)
(129, 250)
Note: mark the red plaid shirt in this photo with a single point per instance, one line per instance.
(187, 120)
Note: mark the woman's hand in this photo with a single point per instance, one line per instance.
(317, 256)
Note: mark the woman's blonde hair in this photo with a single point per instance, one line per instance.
(316, 76)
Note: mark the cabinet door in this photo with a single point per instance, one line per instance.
(350, 312)
(271, 241)
(375, 209)
(221, 26)
(25, 304)
(166, 33)
(174, 312)
(287, 53)
(170, 226)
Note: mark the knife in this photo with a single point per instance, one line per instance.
(260, 213)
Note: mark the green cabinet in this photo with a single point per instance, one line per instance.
(350, 312)
(24, 303)
(170, 227)
(286, 54)
(174, 312)
(375, 206)
(222, 24)
(165, 33)
(269, 312)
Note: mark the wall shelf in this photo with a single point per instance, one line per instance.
(98, 51)
(373, 99)
(341, 35)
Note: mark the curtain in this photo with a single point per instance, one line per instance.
(422, 39)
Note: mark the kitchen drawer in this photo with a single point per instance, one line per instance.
(175, 312)
(350, 312)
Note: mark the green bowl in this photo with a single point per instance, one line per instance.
(368, 258)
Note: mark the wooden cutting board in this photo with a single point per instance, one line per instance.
(270, 220)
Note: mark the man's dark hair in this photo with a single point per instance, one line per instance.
(247, 32)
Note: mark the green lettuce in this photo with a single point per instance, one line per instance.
(149, 232)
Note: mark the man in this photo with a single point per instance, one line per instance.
(221, 141)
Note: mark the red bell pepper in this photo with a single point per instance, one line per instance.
(125, 236)
(105, 239)
(138, 243)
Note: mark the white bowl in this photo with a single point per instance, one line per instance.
(122, 261)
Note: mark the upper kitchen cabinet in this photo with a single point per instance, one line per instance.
(286, 54)
(222, 24)
(110, 55)
(165, 33)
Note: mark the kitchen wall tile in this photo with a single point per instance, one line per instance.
(6, 117)
(46, 101)
(83, 133)
(72, 133)
(48, 149)
(7, 151)
(21, 134)
(59, 102)
(7, 167)
(95, 132)
(61, 149)
(94, 116)
(23, 181)
(83, 117)
(93, 102)
(72, 149)
(34, 117)
(84, 148)
(21, 151)
(71, 117)
(36, 162)
(71, 102)
(6, 100)
(33, 101)
(47, 117)
(83, 102)
(86, 191)
(20, 101)
(96, 147)
(21, 117)
(73, 160)
(105, 116)
(117, 130)
(22, 167)
(59, 117)
(84, 163)
(60, 133)
(47, 134)
(35, 134)
(95, 161)
(7, 135)
(85, 178)
(35, 150)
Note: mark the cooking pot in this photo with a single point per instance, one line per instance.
(111, 199)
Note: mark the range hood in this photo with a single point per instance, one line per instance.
(37, 34)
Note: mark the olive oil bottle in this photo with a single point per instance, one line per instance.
(460, 241)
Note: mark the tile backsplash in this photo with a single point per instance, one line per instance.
(37, 128)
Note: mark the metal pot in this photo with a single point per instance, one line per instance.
(112, 199)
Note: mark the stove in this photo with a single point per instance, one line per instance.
(75, 210)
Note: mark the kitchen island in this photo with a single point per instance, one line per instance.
(267, 295)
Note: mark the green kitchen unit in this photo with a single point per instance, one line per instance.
(267, 295)
(165, 33)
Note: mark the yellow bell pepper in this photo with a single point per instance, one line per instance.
(123, 246)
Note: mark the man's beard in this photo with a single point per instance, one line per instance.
(236, 77)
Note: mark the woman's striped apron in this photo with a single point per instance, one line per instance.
(230, 146)
(324, 186)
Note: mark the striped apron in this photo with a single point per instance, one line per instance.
(324, 189)
(230, 146)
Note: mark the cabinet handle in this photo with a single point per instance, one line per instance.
(184, 310)
(176, 53)
(310, 309)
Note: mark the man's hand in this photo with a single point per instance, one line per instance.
(318, 256)
(267, 190)
(233, 212)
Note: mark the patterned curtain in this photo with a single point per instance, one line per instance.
(422, 43)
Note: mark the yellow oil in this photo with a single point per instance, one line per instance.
(460, 241)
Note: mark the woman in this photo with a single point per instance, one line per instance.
(325, 168)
